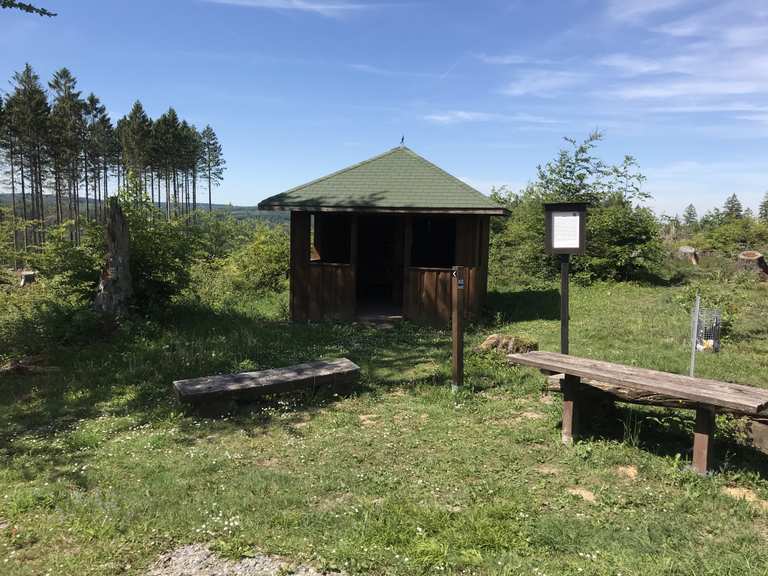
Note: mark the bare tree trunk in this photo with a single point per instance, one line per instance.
(116, 287)
(13, 208)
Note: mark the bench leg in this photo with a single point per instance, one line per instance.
(570, 386)
(703, 436)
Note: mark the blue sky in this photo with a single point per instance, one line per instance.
(486, 89)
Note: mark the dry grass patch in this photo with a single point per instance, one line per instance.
(629, 471)
(746, 494)
(583, 493)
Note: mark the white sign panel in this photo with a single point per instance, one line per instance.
(565, 230)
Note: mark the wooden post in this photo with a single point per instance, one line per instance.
(457, 326)
(703, 436)
(565, 265)
(570, 386)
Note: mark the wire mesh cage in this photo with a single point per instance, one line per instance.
(708, 326)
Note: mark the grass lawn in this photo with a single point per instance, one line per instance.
(101, 470)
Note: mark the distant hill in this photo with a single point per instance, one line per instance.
(238, 212)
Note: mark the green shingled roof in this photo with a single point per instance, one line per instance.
(398, 180)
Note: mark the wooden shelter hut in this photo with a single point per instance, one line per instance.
(380, 238)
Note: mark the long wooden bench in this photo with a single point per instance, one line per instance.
(705, 395)
(272, 381)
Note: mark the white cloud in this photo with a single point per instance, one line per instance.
(704, 184)
(466, 116)
(688, 88)
(634, 11)
(630, 65)
(542, 83)
(331, 9)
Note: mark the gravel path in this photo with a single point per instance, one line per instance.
(198, 560)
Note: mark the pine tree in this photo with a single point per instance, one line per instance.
(68, 132)
(690, 216)
(763, 211)
(28, 114)
(733, 208)
(212, 163)
(26, 7)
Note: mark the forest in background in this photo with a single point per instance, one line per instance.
(61, 158)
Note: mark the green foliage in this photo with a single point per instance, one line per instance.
(74, 265)
(162, 251)
(690, 217)
(733, 208)
(45, 316)
(763, 210)
(623, 237)
(729, 236)
(258, 267)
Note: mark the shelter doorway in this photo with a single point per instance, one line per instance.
(379, 265)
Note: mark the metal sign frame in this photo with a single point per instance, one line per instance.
(579, 208)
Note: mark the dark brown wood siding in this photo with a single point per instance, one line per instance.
(299, 270)
(332, 291)
(428, 295)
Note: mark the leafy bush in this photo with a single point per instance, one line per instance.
(162, 251)
(47, 315)
(623, 237)
(733, 235)
(257, 268)
(74, 266)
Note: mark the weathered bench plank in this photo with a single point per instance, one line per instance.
(272, 381)
(701, 394)
(745, 399)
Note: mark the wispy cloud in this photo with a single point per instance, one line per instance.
(466, 116)
(630, 65)
(635, 11)
(329, 9)
(543, 83)
(504, 59)
(378, 71)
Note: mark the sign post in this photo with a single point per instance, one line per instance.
(565, 234)
(457, 326)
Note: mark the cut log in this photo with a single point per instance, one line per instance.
(115, 287)
(688, 253)
(753, 261)
(272, 381)
(28, 277)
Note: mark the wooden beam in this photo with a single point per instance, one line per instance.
(273, 381)
(703, 436)
(571, 405)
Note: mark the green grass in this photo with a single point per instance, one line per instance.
(102, 471)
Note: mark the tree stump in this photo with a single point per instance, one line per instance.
(688, 253)
(753, 261)
(115, 287)
(28, 277)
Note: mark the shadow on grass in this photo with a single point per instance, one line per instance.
(524, 305)
(668, 432)
(130, 374)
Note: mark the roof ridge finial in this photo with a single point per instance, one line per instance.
(402, 141)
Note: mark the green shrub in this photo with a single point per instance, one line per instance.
(623, 237)
(258, 267)
(162, 251)
(44, 316)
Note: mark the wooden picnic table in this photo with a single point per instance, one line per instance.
(706, 395)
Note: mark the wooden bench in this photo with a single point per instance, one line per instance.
(273, 381)
(706, 396)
